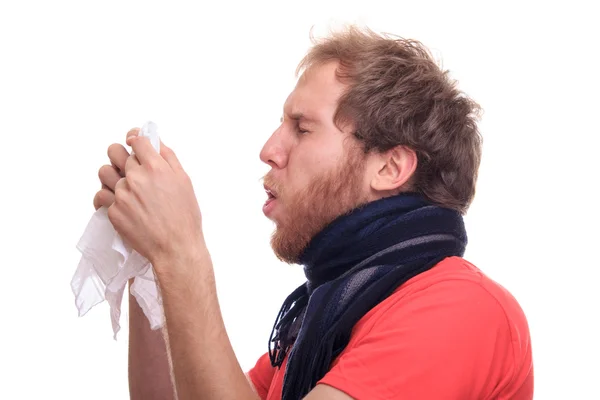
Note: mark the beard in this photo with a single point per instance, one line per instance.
(308, 212)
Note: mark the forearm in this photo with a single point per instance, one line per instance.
(149, 370)
(204, 364)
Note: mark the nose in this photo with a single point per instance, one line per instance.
(274, 152)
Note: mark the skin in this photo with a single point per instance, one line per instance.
(151, 203)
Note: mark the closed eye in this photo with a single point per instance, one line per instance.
(301, 131)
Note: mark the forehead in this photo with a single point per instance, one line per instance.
(316, 94)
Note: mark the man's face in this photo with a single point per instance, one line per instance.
(317, 171)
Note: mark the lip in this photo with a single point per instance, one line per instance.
(269, 206)
(271, 201)
(270, 190)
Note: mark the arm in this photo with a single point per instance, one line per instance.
(156, 197)
(204, 363)
(149, 370)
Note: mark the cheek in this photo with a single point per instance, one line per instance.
(315, 160)
(308, 171)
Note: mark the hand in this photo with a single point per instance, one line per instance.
(155, 209)
(110, 174)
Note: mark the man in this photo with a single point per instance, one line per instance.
(372, 167)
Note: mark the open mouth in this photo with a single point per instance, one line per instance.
(271, 195)
(270, 203)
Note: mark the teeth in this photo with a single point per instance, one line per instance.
(269, 193)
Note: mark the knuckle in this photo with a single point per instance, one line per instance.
(104, 171)
(152, 167)
(131, 161)
(112, 211)
(97, 204)
(131, 177)
(106, 197)
(130, 164)
(135, 177)
(119, 196)
(103, 198)
(120, 192)
(113, 149)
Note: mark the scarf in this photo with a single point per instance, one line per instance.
(351, 266)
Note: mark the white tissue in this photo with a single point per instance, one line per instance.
(107, 263)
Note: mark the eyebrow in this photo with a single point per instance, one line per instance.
(300, 117)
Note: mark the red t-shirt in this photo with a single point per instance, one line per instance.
(449, 333)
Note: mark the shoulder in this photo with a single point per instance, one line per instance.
(453, 286)
(446, 330)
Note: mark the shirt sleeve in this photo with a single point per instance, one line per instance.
(449, 341)
(261, 375)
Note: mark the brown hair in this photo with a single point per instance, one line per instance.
(398, 95)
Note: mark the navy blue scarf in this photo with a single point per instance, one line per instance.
(351, 266)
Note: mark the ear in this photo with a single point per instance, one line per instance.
(394, 168)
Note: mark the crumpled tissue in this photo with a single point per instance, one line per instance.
(107, 263)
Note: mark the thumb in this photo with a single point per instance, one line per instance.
(169, 156)
(134, 132)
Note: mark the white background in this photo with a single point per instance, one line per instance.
(76, 76)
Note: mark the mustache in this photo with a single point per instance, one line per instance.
(270, 182)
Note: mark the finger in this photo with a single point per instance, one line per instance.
(115, 216)
(169, 155)
(109, 176)
(121, 189)
(103, 198)
(132, 162)
(131, 134)
(118, 156)
(145, 153)
(121, 185)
